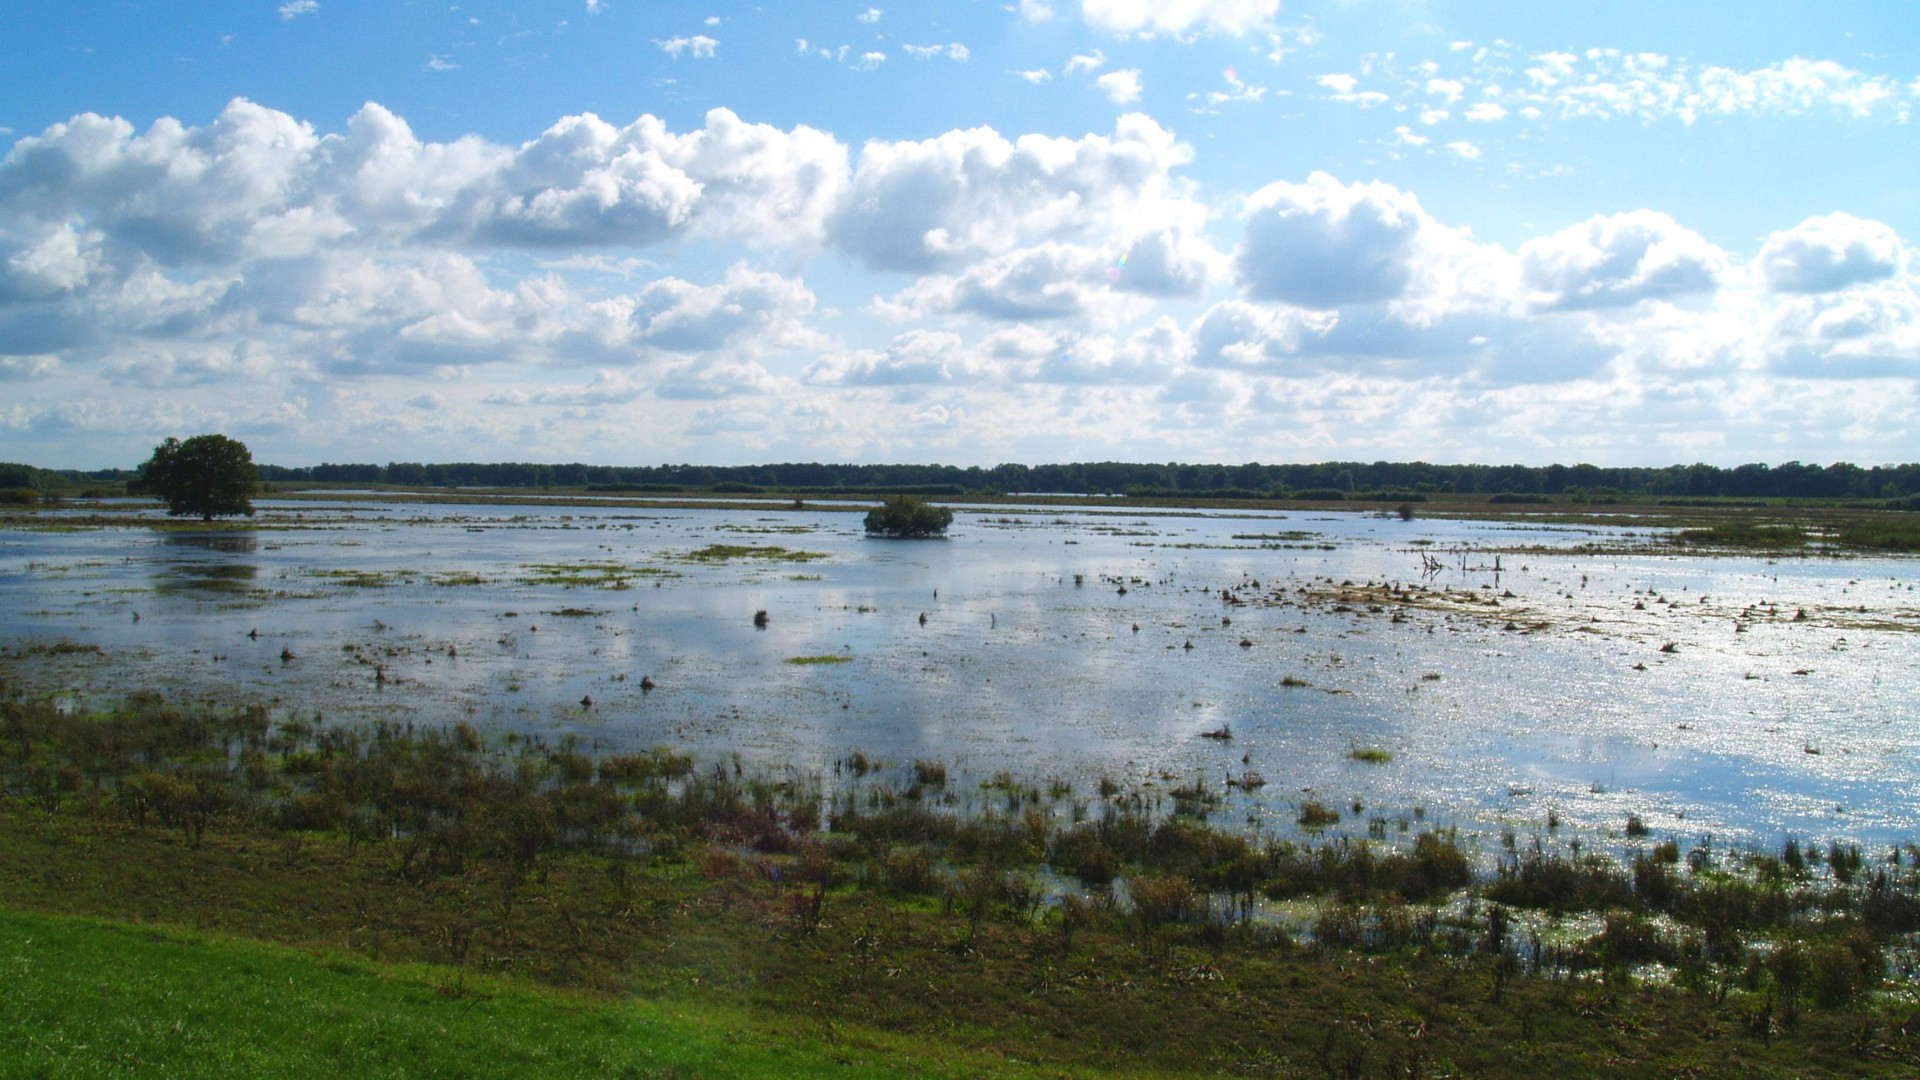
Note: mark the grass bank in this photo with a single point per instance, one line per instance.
(1023, 927)
(96, 997)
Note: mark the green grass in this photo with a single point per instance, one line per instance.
(767, 552)
(1745, 534)
(592, 575)
(1881, 534)
(86, 997)
(1372, 755)
(823, 658)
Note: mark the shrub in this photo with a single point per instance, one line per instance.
(1159, 899)
(908, 516)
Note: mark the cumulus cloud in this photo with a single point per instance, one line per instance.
(950, 200)
(1343, 87)
(953, 51)
(1121, 87)
(699, 46)
(749, 309)
(1618, 260)
(1322, 244)
(1050, 281)
(1179, 17)
(915, 358)
(255, 182)
(1831, 252)
(1084, 62)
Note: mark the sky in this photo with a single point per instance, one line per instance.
(635, 232)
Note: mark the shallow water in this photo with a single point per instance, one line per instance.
(1755, 725)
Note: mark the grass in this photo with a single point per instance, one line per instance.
(823, 658)
(86, 996)
(764, 552)
(1372, 755)
(591, 575)
(898, 916)
(1745, 534)
(1880, 534)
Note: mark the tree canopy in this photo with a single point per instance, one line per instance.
(208, 475)
(908, 516)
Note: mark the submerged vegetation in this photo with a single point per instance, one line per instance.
(890, 897)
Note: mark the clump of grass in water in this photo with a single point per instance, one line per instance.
(1745, 534)
(1372, 755)
(823, 658)
(767, 552)
(1317, 815)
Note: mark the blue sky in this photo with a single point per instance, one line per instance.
(1204, 230)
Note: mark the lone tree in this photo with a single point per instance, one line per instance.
(208, 475)
(904, 515)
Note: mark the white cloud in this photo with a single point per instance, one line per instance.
(1605, 83)
(367, 288)
(752, 309)
(699, 46)
(1464, 150)
(1322, 244)
(869, 16)
(1619, 260)
(917, 357)
(1121, 87)
(1831, 252)
(1602, 84)
(1050, 281)
(293, 9)
(437, 63)
(870, 60)
(954, 51)
(1083, 62)
(1064, 281)
(1343, 89)
(1036, 75)
(1179, 17)
(1036, 11)
(951, 200)
(1239, 90)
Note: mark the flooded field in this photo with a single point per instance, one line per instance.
(1548, 681)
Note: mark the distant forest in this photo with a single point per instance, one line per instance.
(1328, 480)
(1791, 480)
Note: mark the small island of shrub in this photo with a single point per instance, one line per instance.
(908, 516)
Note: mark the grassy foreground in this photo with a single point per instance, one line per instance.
(89, 997)
(428, 902)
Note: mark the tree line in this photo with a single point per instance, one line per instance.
(1346, 478)
(1352, 478)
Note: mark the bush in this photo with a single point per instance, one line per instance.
(908, 516)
